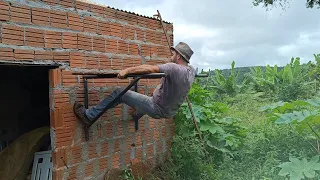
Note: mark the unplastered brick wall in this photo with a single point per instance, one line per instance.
(78, 37)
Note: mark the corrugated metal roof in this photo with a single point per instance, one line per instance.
(149, 17)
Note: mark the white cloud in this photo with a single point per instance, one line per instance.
(189, 31)
(222, 31)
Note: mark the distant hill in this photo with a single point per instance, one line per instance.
(240, 70)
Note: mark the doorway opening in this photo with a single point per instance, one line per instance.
(24, 116)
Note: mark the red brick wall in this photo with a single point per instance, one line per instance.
(77, 36)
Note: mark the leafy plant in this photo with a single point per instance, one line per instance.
(305, 119)
(221, 133)
(299, 169)
(226, 85)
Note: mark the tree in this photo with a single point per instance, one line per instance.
(283, 3)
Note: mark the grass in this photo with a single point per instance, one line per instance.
(266, 145)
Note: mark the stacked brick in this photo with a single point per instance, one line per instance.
(75, 36)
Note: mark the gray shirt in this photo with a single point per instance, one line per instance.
(173, 89)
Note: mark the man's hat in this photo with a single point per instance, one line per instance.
(184, 50)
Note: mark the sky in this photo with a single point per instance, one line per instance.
(222, 31)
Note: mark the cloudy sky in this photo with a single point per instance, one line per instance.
(220, 31)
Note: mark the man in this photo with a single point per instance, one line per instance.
(167, 97)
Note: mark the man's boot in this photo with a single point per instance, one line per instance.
(80, 111)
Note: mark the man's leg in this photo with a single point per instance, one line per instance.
(141, 103)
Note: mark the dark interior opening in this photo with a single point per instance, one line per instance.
(24, 94)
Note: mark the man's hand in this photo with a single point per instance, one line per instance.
(122, 74)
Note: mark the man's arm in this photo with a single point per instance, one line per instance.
(142, 69)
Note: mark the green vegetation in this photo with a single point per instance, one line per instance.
(260, 123)
(257, 123)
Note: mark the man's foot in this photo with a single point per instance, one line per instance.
(80, 111)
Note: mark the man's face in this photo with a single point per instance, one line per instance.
(173, 57)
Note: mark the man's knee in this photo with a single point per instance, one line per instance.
(118, 90)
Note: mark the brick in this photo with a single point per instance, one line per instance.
(116, 30)
(68, 79)
(138, 138)
(150, 150)
(127, 157)
(104, 148)
(55, 78)
(4, 11)
(139, 153)
(6, 54)
(108, 128)
(153, 37)
(115, 160)
(89, 169)
(75, 22)
(61, 56)
(110, 13)
(136, 62)
(130, 62)
(111, 46)
(77, 60)
(82, 5)
(40, 17)
(52, 2)
(99, 44)
(163, 51)
(76, 153)
(70, 40)
(140, 34)
(133, 49)
(67, 3)
(61, 98)
(20, 54)
(60, 157)
(58, 19)
(34, 37)
(90, 24)
(72, 173)
(103, 28)
(100, 83)
(92, 61)
(153, 50)
(146, 50)
(116, 63)
(155, 24)
(53, 39)
(143, 22)
(148, 136)
(105, 62)
(123, 47)
(129, 33)
(156, 134)
(120, 129)
(99, 10)
(103, 163)
(57, 174)
(93, 97)
(12, 34)
(43, 55)
(20, 14)
(84, 42)
(122, 16)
